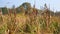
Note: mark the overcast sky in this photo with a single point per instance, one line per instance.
(54, 4)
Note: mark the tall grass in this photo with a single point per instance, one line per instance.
(30, 24)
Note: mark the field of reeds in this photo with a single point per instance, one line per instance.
(22, 24)
(29, 23)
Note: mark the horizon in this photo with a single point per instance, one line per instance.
(39, 4)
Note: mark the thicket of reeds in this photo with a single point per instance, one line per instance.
(29, 23)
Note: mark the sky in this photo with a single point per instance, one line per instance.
(53, 4)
